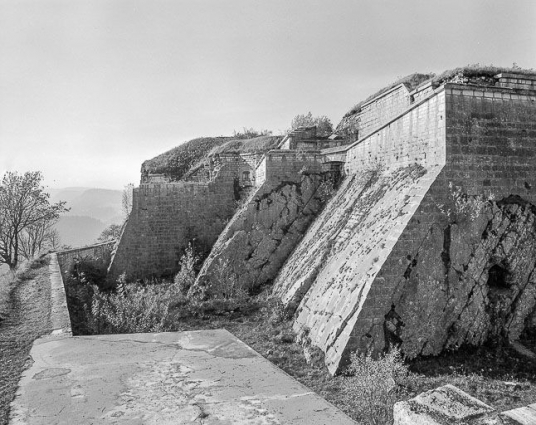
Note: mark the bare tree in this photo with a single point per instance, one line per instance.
(23, 204)
(39, 237)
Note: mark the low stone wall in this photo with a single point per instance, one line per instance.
(59, 315)
(67, 258)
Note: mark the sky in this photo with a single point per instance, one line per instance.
(90, 89)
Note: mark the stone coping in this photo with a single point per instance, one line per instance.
(59, 313)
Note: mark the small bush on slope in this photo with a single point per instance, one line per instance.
(372, 386)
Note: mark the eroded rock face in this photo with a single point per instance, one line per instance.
(472, 281)
(258, 240)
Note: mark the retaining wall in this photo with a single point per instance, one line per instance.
(101, 250)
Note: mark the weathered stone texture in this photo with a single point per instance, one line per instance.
(260, 237)
(329, 275)
(416, 137)
(443, 406)
(377, 112)
(470, 280)
(165, 217)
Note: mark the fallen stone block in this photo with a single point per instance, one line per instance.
(442, 406)
(520, 416)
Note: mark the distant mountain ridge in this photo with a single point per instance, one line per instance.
(91, 211)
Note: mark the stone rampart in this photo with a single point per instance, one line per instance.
(405, 239)
(166, 217)
(383, 108)
(330, 274)
(283, 165)
(253, 247)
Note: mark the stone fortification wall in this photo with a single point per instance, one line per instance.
(421, 92)
(376, 112)
(417, 136)
(407, 246)
(330, 274)
(282, 165)
(259, 238)
(383, 108)
(166, 217)
(472, 278)
(67, 258)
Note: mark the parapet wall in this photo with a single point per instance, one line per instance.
(283, 165)
(67, 258)
(383, 108)
(417, 136)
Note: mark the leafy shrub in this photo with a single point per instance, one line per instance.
(322, 123)
(87, 275)
(373, 384)
(185, 278)
(137, 308)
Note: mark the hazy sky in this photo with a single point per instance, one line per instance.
(89, 89)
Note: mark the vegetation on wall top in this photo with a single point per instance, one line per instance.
(462, 74)
(411, 81)
(181, 160)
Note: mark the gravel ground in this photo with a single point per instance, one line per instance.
(26, 319)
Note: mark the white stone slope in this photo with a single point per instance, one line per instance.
(330, 273)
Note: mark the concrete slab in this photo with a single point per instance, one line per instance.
(442, 406)
(203, 377)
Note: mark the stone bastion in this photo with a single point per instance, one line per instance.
(421, 233)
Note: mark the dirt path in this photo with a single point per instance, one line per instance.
(27, 320)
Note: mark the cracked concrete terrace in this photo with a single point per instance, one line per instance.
(203, 377)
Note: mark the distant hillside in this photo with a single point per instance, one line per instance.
(92, 210)
(178, 161)
(101, 204)
(79, 231)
